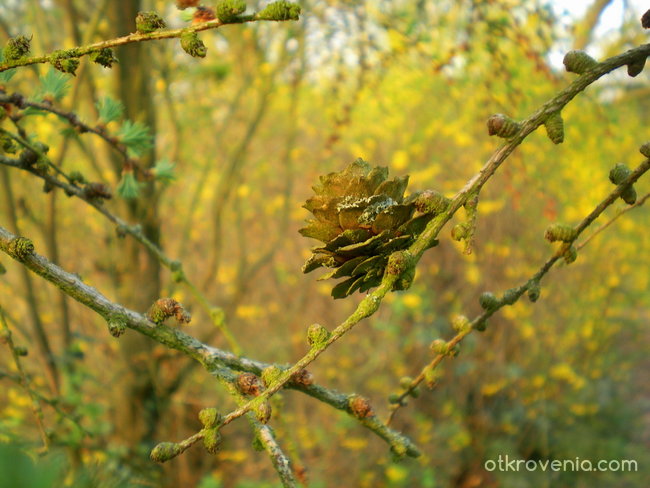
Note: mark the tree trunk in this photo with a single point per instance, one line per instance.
(136, 407)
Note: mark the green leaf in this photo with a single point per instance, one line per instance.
(69, 132)
(129, 187)
(347, 287)
(346, 268)
(109, 109)
(17, 466)
(316, 261)
(54, 85)
(33, 111)
(319, 230)
(164, 171)
(188, 14)
(347, 237)
(136, 137)
(5, 76)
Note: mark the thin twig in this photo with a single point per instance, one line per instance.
(130, 39)
(427, 239)
(39, 330)
(215, 313)
(209, 357)
(517, 293)
(52, 403)
(618, 215)
(72, 118)
(6, 337)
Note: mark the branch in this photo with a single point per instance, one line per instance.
(39, 330)
(210, 357)
(618, 215)
(263, 432)
(527, 126)
(20, 101)
(78, 52)
(215, 313)
(445, 349)
(6, 337)
(52, 403)
(210, 433)
(427, 239)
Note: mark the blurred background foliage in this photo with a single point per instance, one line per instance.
(403, 84)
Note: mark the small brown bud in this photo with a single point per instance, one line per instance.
(203, 14)
(645, 20)
(164, 308)
(97, 191)
(360, 407)
(302, 378)
(502, 126)
(398, 262)
(183, 4)
(249, 384)
(636, 67)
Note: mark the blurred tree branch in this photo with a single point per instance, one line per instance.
(584, 28)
